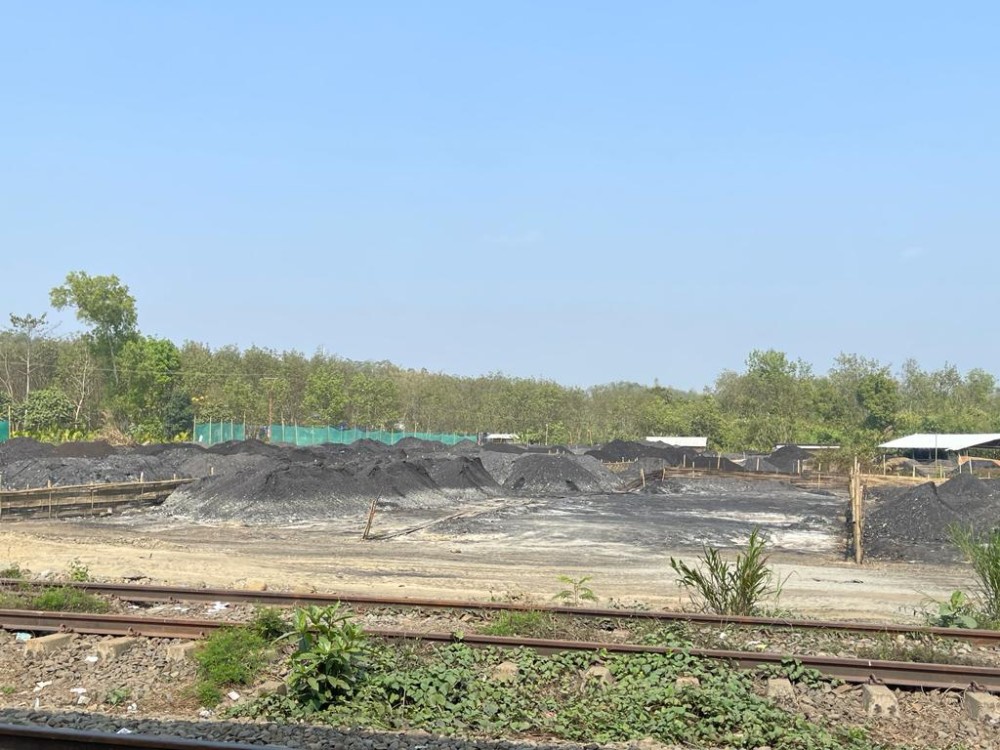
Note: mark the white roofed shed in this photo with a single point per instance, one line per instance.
(944, 442)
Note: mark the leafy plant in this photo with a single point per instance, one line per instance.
(118, 696)
(330, 657)
(578, 590)
(983, 551)
(78, 571)
(731, 589)
(12, 571)
(795, 671)
(957, 612)
(269, 623)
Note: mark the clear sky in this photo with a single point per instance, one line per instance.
(583, 191)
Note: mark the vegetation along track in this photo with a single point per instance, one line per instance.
(148, 593)
(899, 674)
(18, 737)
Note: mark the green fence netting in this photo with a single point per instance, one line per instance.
(210, 433)
(4, 431)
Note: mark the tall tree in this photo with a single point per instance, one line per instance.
(103, 303)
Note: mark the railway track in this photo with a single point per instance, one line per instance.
(154, 593)
(22, 737)
(897, 674)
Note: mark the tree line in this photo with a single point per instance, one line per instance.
(112, 378)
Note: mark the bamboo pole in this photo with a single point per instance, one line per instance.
(371, 517)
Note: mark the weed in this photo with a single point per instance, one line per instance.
(269, 623)
(118, 696)
(68, 599)
(330, 659)
(531, 623)
(207, 694)
(730, 589)
(231, 656)
(7, 690)
(78, 571)
(578, 590)
(983, 551)
(12, 571)
(957, 612)
(795, 671)
(924, 651)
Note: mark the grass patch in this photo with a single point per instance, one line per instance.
(929, 651)
(68, 599)
(529, 624)
(230, 656)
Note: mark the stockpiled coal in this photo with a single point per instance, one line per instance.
(624, 450)
(543, 474)
(912, 523)
(789, 459)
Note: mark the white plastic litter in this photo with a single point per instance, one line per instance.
(124, 730)
(22, 636)
(92, 659)
(233, 695)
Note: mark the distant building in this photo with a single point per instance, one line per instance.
(501, 437)
(680, 441)
(934, 445)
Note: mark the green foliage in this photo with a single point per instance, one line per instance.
(330, 657)
(532, 623)
(452, 691)
(577, 592)
(795, 671)
(957, 612)
(118, 696)
(103, 303)
(78, 571)
(231, 656)
(13, 570)
(46, 408)
(67, 599)
(207, 694)
(725, 588)
(983, 551)
(269, 623)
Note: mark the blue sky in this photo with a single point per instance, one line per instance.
(581, 191)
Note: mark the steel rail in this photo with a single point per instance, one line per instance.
(896, 673)
(156, 593)
(37, 737)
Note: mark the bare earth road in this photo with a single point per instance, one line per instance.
(481, 566)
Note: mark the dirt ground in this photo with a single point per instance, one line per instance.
(430, 563)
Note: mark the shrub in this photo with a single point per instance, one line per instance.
(983, 551)
(531, 623)
(730, 589)
(330, 658)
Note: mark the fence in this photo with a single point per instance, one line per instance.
(4, 431)
(210, 433)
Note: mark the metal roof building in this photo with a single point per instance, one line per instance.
(947, 443)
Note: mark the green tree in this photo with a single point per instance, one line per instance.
(150, 371)
(325, 396)
(103, 303)
(45, 409)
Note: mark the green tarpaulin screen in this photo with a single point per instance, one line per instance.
(210, 433)
(4, 431)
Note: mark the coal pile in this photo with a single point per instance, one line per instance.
(285, 490)
(624, 450)
(544, 474)
(789, 459)
(911, 523)
(715, 463)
